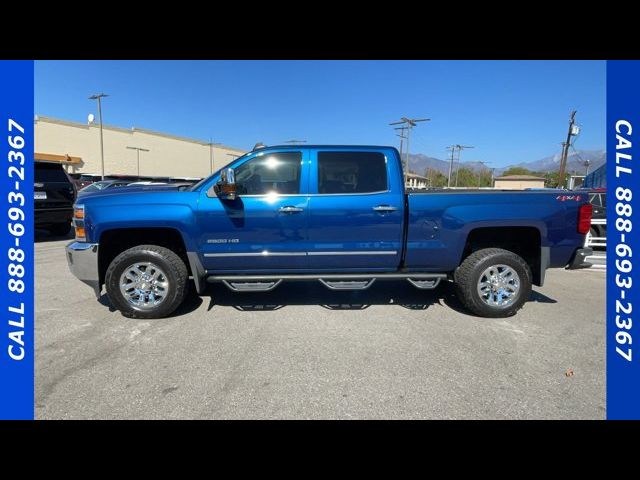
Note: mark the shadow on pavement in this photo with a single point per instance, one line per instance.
(312, 293)
(190, 304)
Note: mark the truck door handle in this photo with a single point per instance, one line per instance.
(385, 208)
(290, 209)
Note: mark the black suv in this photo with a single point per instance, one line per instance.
(54, 194)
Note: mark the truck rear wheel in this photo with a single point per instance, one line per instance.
(493, 282)
(147, 281)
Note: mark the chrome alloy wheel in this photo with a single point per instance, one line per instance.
(498, 285)
(144, 285)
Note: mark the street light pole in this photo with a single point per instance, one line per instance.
(211, 144)
(138, 150)
(99, 97)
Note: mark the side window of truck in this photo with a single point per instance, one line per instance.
(275, 172)
(351, 172)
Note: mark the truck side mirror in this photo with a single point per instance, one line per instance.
(226, 187)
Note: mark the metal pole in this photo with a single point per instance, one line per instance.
(406, 166)
(101, 140)
(450, 167)
(565, 150)
(458, 165)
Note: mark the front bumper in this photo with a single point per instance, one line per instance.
(579, 258)
(82, 258)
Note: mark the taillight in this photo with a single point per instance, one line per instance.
(584, 218)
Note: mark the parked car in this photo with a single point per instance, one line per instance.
(82, 180)
(335, 214)
(54, 194)
(102, 185)
(147, 182)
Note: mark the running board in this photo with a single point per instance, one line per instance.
(425, 283)
(251, 286)
(333, 281)
(347, 284)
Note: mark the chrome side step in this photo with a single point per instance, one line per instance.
(425, 284)
(251, 286)
(347, 284)
(333, 281)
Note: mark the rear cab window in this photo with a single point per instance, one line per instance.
(49, 172)
(351, 172)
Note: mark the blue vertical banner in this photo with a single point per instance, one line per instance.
(623, 252)
(16, 240)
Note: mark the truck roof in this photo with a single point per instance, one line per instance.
(279, 147)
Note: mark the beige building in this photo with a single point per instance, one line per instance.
(164, 155)
(518, 182)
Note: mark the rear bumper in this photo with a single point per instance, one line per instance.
(579, 259)
(82, 259)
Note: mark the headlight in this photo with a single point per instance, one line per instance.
(78, 223)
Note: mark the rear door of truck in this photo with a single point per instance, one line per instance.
(356, 209)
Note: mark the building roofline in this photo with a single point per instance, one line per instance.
(44, 118)
(519, 177)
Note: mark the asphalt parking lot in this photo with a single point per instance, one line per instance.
(303, 351)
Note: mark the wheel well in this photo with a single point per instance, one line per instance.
(113, 242)
(523, 241)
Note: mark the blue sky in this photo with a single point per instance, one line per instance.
(511, 111)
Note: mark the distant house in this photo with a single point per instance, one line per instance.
(416, 181)
(518, 182)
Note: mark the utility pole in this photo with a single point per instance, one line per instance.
(99, 97)
(480, 173)
(408, 123)
(402, 137)
(565, 149)
(138, 150)
(452, 148)
(586, 166)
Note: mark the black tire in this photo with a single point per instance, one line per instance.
(467, 275)
(60, 229)
(170, 263)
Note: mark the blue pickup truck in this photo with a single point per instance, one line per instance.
(335, 214)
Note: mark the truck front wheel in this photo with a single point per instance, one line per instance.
(493, 282)
(147, 281)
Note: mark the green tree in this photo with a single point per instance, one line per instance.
(551, 179)
(466, 178)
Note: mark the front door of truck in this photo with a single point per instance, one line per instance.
(265, 227)
(355, 210)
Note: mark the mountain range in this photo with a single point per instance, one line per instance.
(419, 163)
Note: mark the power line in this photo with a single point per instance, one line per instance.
(408, 123)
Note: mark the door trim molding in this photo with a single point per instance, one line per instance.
(266, 253)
